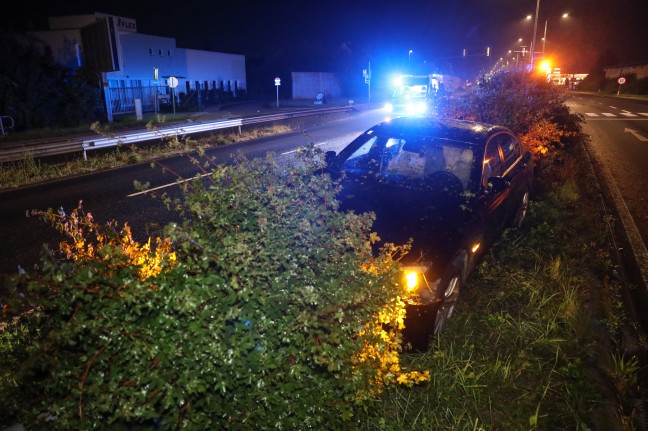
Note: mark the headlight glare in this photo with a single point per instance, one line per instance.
(414, 277)
(411, 280)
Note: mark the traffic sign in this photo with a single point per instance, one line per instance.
(173, 82)
(277, 81)
(621, 80)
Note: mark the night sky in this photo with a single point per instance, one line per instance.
(337, 35)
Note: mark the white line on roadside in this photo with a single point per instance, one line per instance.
(164, 186)
(294, 151)
(618, 119)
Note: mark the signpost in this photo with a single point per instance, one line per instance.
(620, 81)
(173, 83)
(277, 84)
(156, 77)
(367, 77)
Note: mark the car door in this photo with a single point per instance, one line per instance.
(515, 164)
(495, 198)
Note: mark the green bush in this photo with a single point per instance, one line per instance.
(531, 107)
(514, 100)
(265, 308)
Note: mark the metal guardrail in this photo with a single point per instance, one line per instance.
(19, 150)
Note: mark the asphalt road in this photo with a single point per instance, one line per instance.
(619, 138)
(108, 195)
(618, 144)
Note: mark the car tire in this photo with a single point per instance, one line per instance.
(449, 298)
(522, 211)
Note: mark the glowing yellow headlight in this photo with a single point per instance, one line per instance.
(414, 275)
(411, 280)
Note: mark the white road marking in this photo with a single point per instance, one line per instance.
(163, 186)
(636, 135)
(294, 151)
(591, 114)
(613, 107)
(645, 114)
(628, 114)
(608, 114)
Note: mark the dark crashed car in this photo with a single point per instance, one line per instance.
(452, 186)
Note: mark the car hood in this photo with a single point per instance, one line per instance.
(434, 220)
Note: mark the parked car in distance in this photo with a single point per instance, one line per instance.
(452, 186)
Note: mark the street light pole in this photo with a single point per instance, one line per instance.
(409, 58)
(535, 29)
(544, 39)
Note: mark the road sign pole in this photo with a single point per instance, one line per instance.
(173, 100)
(277, 84)
(620, 81)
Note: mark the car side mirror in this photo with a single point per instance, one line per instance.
(329, 156)
(497, 184)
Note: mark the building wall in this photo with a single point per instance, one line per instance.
(140, 54)
(70, 22)
(305, 85)
(216, 66)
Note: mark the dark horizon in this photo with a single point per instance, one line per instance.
(345, 36)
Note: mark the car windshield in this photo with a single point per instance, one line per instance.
(412, 159)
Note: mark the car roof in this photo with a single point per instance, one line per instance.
(470, 132)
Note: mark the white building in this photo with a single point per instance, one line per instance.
(140, 66)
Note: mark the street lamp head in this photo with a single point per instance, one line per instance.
(529, 16)
(520, 40)
(565, 15)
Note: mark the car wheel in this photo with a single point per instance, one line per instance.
(522, 211)
(448, 302)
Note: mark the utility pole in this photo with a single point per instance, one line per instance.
(535, 30)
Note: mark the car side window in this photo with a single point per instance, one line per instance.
(492, 162)
(361, 156)
(510, 149)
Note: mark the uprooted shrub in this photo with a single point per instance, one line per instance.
(265, 308)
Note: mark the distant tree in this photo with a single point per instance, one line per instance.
(36, 91)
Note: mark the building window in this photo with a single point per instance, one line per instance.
(160, 51)
(169, 52)
(150, 51)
